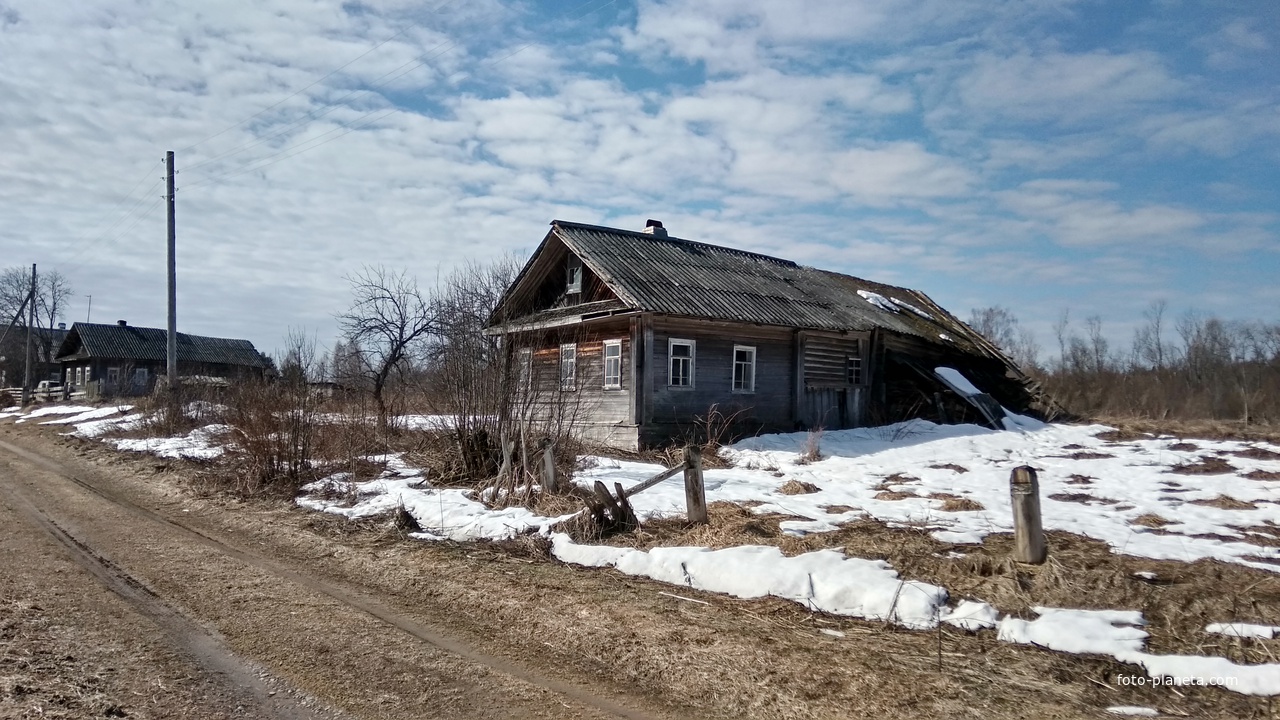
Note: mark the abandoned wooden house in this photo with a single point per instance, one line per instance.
(123, 359)
(648, 337)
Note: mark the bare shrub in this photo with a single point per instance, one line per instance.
(274, 427)
(812, 451)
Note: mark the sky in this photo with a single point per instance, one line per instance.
(1039, 155)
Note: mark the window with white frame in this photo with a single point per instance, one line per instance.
(569, 367)
(680, 358)
(573, 275)
(744, 369)
(79, 376)
(71, 375)
(612, 364)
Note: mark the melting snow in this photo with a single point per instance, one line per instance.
(957, 381)
(879, 301)
(824, 580)
(1243, 630)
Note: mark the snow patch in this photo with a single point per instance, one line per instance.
(879, 301)
(824, 580)
(1243, 630)
(971, 615)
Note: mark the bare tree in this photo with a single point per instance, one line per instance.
(52, 292)
(389, 321)
(1001, 327)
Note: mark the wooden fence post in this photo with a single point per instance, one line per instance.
(1028, 533)
(549, 467)
(695, 496)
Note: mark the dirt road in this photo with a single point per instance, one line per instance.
(125, 593)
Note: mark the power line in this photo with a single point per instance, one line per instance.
(328, 75)
(86, 253)
(317, 114)
(85, 238)
(285, 152)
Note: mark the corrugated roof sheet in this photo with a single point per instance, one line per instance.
(682, 277)
(128, 342)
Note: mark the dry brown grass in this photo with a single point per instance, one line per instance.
(797, 487)
(956, 503)
(1150, 520)
(1120, 435)
(1262, 475)
(894, 495)
(950, 466)
(1082, 498)
(1130, 428)
(837, 509)
(1207, 465)
(1224, 502)
(1257, 453)
(1080, 480)
(1085, 455)
(896, 479)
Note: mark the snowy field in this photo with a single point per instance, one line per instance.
(1155, 497)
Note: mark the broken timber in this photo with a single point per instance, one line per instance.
(615, 512)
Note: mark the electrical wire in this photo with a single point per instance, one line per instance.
(86, 253)
(87, 238)
(285, 152)
(317, 81)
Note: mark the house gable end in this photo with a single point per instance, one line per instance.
(545, 284)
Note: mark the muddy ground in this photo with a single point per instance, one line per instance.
(126, 593)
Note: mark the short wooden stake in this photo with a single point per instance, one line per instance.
(1028, 533)
(695, 496)
(549, 468)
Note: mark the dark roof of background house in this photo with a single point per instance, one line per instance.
(128, 342)
(673, 276)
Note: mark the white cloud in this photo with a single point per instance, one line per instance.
(1064, 87)
(896, 171)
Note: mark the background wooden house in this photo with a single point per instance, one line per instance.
(123, 359)
(647, 335)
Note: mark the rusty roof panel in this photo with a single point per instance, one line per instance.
(680, 277)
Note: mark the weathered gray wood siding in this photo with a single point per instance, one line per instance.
(831, 400)
(674, 410)
(604, 415)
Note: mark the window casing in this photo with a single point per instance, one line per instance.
(853, 365)
(612, 364)
(744, 369)
(681, 355)
(79, 376)
(573, 275)
(113, 376)
(140, 376)
(524, 368)
(569, 367)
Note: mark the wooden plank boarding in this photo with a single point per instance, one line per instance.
(1028, 534)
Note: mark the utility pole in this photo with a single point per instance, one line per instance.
(172, 352)
(89, 313)
(31, 323)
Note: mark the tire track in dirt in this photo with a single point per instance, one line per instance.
(352, 599)
(243, 681)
